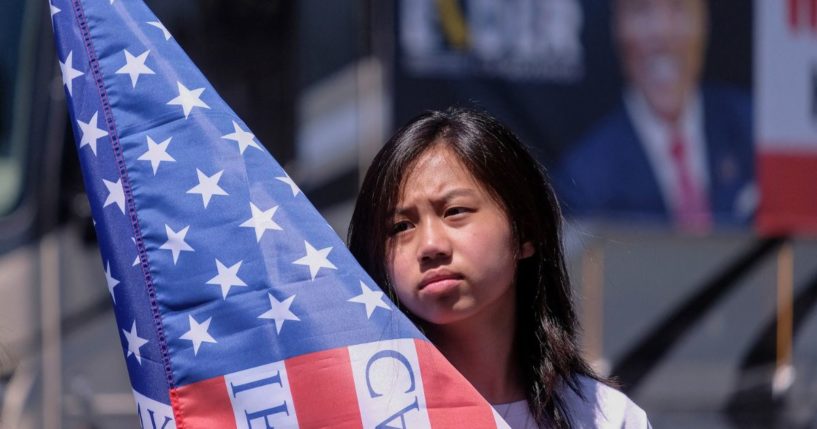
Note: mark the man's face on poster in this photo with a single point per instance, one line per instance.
(661, 46)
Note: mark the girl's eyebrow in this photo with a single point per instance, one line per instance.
(445, 197)
(458, 192)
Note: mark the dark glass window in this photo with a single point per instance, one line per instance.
(15, 75)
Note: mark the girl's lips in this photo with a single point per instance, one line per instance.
(438, 276)
(441, 286)
(439, 282)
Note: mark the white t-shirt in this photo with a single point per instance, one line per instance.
(603, 408)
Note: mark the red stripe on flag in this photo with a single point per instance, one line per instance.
(788, 193)
(793, 14)
(204, 404)
(452, 402)
(323, 390)
(813, 14)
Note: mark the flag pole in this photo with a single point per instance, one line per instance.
(783, 375)
(592, 274)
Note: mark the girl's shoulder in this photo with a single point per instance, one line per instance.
(601, 406)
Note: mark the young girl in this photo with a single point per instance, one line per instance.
(458, 223)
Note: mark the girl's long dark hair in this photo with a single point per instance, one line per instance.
(546, 323)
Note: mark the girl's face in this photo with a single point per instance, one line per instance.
(451, 252)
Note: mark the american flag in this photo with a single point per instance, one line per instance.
(236, 303)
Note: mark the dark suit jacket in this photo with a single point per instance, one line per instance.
(608, 175)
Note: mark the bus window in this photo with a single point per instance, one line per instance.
(15, 75)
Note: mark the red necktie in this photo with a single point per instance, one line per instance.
(692, 211)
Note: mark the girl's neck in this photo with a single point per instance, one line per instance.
(482, 348)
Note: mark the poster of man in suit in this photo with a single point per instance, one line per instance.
(676, 149)
(640, 109)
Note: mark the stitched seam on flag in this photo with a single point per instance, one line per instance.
(93, 61)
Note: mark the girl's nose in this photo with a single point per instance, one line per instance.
(434, 242)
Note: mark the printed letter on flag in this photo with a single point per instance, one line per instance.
(237, 305)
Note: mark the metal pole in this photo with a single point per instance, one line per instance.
(784, 373)
(51, 338)
(592, 264)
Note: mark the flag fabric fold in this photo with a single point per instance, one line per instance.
(236, 303)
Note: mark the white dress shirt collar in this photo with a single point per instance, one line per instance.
(655, 137)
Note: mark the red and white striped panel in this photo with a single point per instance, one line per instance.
(387, 384)
(786, 114)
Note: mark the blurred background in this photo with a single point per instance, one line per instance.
(681, 137)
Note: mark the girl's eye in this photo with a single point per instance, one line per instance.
(453, 211)
(399, 227)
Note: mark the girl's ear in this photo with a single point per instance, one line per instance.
(527, 250)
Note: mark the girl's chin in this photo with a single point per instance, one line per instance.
(447, 316)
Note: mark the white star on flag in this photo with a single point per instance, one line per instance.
(136, 259)
(69, 73)
(315, 259)
(279, 312)
(54, 9)
(135, 66)
(175, 242)
(370, 298)
(208, 186)
(188, 99)
(286, 179)
(244, 139)
(134, 343)
(198, 333)
(112, 282)
(160, 26)
(116, 194)
(157, 152)
(90, 132)
(261, 220)
(227, 277)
